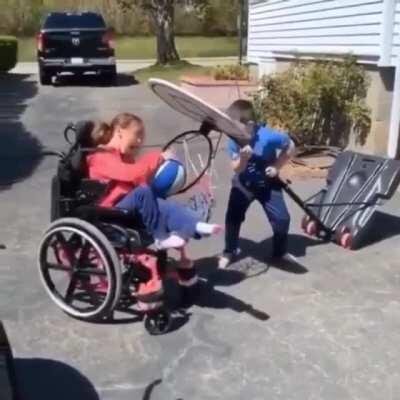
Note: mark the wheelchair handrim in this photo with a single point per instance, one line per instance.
(110, 250)
(54, 295)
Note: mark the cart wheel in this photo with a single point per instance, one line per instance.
(158, 322)
(79, 269)
(304, 222)
(344, 229)
(312, 228)
(346, 240)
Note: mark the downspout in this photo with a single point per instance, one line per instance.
(386, 36)
(395, 114)
(388, 19)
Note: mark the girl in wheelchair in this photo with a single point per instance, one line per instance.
(130, 187)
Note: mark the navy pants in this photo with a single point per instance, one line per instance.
(271, 199)
(160, 217)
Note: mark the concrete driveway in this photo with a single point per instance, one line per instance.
(330, 330)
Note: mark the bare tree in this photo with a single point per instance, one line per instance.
(162, 13)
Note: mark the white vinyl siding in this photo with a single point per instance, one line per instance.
(315, 26)
(396, 33)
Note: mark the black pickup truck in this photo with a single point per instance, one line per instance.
(77, 43)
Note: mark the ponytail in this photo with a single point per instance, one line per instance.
(101, 134)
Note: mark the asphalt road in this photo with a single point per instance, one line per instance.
(330, 330)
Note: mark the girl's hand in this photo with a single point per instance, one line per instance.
(168, 154)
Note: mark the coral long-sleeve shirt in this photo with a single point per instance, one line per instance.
(108, 166)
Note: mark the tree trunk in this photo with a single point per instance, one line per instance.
(163, 17)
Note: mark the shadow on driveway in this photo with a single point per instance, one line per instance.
(383, 226)
(253, 260)
(91, 80)
(20, 151)
(251, 263)
(42, 379)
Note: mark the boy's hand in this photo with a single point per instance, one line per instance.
(271, 172)
(246, 152)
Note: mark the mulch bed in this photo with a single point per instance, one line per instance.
(314, 166)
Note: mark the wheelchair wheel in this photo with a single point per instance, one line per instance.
(79, 269)
(158, 322)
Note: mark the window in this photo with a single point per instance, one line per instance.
(77, 21)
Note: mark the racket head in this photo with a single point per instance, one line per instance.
(198, 110)
(195, 151)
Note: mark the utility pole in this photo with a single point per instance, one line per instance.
(241, 12)
(242, 22)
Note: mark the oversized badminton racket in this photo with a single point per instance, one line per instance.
(196, 151)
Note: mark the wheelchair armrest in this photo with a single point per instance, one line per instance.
(91, 190)
(98, 213)
(116, 216)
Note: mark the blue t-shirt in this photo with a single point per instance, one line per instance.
(265, 143)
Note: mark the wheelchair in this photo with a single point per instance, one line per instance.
(94, 260)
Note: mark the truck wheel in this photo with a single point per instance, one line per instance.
(44, 77)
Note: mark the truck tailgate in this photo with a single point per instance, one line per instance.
(77, 43)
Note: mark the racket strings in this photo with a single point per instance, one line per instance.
(202, 199)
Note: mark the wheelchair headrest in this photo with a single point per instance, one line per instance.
(79, 134)
(83, 133)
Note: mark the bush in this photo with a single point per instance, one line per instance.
(234, 72)
(319, 103)
(8, 53)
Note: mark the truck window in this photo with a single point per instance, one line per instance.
(74, 21)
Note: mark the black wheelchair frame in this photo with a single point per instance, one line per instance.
(82, 234)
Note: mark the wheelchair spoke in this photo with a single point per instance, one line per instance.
(58, 267)
(90, 271)
(94, 297)
(71, 289)
(84, 253)
(66, 245)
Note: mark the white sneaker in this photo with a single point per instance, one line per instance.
(226, 259)
(289, 258)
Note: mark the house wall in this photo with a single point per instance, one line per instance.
(315, 26)
(395, 50)
(379, 99)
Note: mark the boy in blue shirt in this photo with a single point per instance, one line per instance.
(255, 166)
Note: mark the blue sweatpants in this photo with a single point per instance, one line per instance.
(160, 217)
(271, 199)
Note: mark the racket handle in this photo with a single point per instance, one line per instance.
(284, 183)
(205, 128)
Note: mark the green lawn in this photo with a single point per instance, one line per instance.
(170, 72)
(145, 47)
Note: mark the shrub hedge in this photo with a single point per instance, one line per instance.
(318, 102)
(8, 53)
(231, 72)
